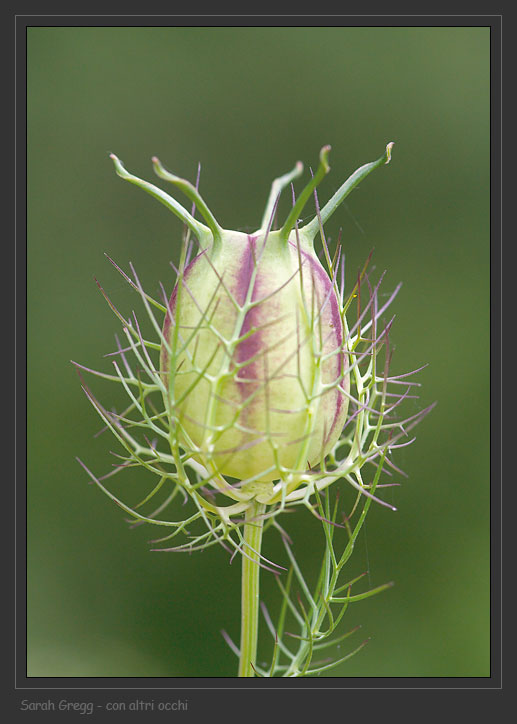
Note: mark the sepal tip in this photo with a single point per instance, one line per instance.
(388, 152)
(324, 153)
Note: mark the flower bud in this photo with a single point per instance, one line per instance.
(254, 356)
(242, 405)
(260, 383)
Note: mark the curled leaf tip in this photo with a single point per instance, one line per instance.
(388, 151)
(162, 172)
(324, 157)
(156, 163)
(119, 166)
(158, 167)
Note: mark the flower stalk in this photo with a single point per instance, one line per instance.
(250, 585)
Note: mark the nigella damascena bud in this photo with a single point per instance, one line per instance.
(257, 396)
(262, 384)
(254, 357)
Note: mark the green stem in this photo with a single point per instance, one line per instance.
(193, 194)
(276, 188)
(202, 232)
(312, 228)
(298, 207)
(250, 587)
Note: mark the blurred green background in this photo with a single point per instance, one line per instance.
(247, 103)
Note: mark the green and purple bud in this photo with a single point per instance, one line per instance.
(256, 395)
(261, 387)
(256, 387)
(254, 361)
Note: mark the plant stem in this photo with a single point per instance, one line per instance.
(250, 587)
